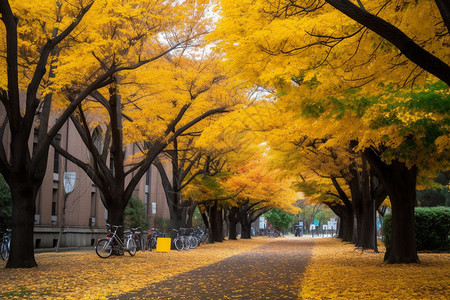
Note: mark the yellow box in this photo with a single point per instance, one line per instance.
(163, 244)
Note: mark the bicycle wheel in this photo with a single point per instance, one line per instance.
(103, 248)
(4, 251)
(186, 244)
(193, 242)
(179, 244)
(153, 242)
(131, 246)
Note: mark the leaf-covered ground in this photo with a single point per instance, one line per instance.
(268, 272)
(335, 271)
(338, 271)
(83, 275)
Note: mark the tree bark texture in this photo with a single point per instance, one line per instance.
(400, 183)
(22, 247)
(246, 225)
(232, 219)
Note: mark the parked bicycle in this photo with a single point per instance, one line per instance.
(6, 244)
(152, 237)
(138, 238)
(201, 235)
(189, 238)
(181, 241)
(105, 247)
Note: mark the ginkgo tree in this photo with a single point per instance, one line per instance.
(35, 34)
(331, 68)
(249, 186)
(82, 44)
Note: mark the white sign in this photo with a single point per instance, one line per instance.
(69, 181)
(154, 208)
(332, 224)
(312, 227)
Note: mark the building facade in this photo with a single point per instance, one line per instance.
(81, 212)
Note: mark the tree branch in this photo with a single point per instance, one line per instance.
(395, 36)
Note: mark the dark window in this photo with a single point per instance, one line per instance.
(56, 155)
(93, 204)
(147, 176)
(54, 201)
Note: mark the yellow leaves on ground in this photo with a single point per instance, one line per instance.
(83, 275)
(338, 271)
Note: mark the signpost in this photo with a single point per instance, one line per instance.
(332, 224)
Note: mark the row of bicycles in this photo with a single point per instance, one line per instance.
(133, 241)
(189, 238)
(6, 244)
(136, 240)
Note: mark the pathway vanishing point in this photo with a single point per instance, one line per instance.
(272, 271)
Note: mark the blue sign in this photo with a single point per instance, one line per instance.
(316, 223)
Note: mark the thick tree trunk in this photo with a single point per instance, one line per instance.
(355, 187)
(246, 227)
(367, 236)
(400, 183)
(216, 223)
(232, 218)
(176, 220)
(24, 207)
(347, 224)
(219, 234)
(403, 198)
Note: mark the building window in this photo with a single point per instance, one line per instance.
(147, 176)
(93, 203)
(56, 155)
(154, 208)
(146, 204)
(54, 201)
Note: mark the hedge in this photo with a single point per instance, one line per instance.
(432, 228)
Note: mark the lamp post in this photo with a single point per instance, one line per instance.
(69, 185)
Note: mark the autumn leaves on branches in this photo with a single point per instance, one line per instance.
(361, 96)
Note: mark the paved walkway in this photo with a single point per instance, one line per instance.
(269, 272)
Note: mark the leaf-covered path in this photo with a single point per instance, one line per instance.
(271, 271)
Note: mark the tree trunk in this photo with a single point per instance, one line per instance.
(403, 198)
(355, 187)
(215, 221)
(232, 218)
(347, 225)
(188, 214)
(24, 207)
(176, 220)
(246, 227)
(219, 226)
(400, 183)
(367, 238)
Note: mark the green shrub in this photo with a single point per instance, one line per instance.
(387, 230)
(432, 228)
(134, 214)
